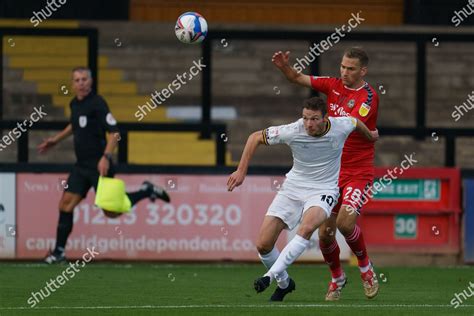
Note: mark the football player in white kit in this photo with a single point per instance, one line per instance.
(309, 191)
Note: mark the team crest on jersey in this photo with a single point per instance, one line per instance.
(351, 103)
(82, 121)
(364, 109)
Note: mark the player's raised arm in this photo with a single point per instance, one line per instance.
(281, 61)
(238, 176)
(51, 141)
(372, 136)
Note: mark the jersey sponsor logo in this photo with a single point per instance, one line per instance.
(351, 103)
(342, 112)
(110, 119)
(338, 110)
(364, 109)
(82, 121)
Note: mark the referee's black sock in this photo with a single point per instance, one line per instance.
(148, 190)
(135, 197)
(63, 231)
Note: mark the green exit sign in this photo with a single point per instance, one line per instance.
(409, 190)
(406, 226)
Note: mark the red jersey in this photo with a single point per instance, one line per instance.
(358, 153)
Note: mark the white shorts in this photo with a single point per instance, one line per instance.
(291, 202)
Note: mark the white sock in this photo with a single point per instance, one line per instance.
(340, 279)
(268, 260)
(290, 253)
(364, 269)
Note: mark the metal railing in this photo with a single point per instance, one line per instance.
(217, 129)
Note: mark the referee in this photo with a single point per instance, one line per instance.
(90, 120)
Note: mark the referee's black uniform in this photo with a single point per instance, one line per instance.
(90, 120)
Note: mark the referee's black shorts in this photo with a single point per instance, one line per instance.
(82, 178)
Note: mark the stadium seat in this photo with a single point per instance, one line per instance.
(47, 74)
(47, 62)
(177, 148)
(50, 23)
(115, 88)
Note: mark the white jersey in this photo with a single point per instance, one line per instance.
(316, 159)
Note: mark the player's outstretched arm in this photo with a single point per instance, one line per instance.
(281, 61)
(237, 178)
(372, 136)
(50, 142)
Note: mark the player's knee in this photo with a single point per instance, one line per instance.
(306, 230)
(345, 225)
(326, 236)
(264, 247)
(111, 214)
(66, 205)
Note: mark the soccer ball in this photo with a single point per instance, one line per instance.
(191, 28)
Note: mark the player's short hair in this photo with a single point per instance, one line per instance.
(82, 69)
(359, 53)
(316, 104)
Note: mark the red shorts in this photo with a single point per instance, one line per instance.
(353, 192)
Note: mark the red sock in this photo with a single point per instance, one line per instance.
(355, 240)
(331, 256)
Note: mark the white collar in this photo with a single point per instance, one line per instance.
(365, 84)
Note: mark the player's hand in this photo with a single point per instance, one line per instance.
(103, 166)
(46, 145)
(281, 59)
(375, 135)
(235, 180)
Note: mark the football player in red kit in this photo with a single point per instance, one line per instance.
(348, 95)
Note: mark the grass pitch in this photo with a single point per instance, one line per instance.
(227, 289)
